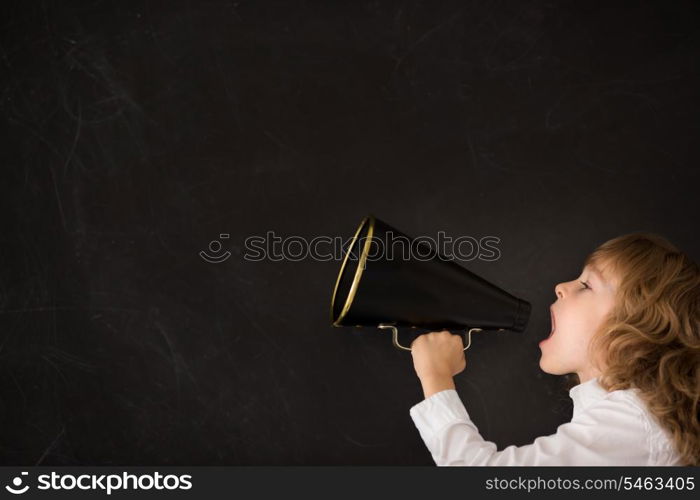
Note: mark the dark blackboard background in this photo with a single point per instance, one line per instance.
(133, 134)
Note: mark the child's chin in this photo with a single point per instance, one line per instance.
(545, 367)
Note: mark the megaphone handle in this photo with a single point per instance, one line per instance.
(395, 336)
(469, 335)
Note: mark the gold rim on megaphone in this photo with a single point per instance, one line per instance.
(358, 272)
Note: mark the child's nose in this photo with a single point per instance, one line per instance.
(559, 290)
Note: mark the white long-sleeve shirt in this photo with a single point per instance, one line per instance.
(607, 428)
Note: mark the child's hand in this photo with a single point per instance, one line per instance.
(437, 357)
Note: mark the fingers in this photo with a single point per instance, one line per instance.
(439, 333)
(437, 336)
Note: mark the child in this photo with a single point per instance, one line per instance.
(629, 328)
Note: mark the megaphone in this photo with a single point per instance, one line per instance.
(420, 289)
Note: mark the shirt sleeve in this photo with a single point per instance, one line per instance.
(608, 433)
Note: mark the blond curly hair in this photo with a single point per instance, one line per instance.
(651, 339)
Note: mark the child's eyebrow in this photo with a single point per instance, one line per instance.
(599, 274)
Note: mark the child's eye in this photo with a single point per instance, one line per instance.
(585, 285)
